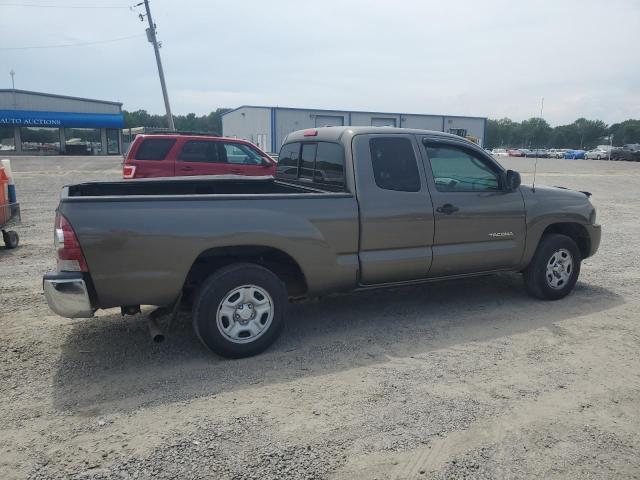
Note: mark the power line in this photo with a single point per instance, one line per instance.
(39, 5)
(79, 44)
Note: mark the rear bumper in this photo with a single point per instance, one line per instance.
(67, 294)
(595, 233)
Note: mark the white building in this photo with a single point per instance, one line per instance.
(268, 126)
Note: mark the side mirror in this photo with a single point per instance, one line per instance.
(512, 180)
(266, 162)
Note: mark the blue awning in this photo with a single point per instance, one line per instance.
(26, 118)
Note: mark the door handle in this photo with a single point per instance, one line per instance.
(236, 170)
(186, 169)
(447, 209)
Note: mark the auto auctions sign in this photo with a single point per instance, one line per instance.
(30, 122)
(26, 118)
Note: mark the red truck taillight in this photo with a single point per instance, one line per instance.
(70, 257)
(128, 171)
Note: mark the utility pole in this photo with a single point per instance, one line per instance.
(13, 87)
(151, 36)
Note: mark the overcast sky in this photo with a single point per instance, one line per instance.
(464, 57)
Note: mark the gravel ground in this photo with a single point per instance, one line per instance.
(464, 379)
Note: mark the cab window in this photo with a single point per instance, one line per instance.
(320, 163)
(456, 169)
(287, 167)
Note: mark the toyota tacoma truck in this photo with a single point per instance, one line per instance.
(349, 208)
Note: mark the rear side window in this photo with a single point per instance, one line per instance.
(319, 162)
(288, 161)
(154, 148)
(394, 164)
(199, 151)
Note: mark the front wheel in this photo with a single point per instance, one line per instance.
(239, 310)
(554, 268)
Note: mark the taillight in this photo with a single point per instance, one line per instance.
(128, 171)
(70, 257)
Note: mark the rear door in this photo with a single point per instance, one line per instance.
(478, 226)
(202, 157)
(396, 214)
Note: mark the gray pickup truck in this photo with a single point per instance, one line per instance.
(350, 208)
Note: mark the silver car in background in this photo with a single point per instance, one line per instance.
(597, 154)
(499, 152)
(556, 152)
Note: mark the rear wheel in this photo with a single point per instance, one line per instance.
(554, 269)
(239, 310)
(11, 238)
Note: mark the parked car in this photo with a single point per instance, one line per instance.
(597, 154)
(499, 152)
(629, 152)
(350, 208)
(574, 154)
(515, 153)
(539, 153)
(556, 152)
(175, 154)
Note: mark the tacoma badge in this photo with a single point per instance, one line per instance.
(501, 234)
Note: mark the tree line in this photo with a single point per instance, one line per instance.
(537, 133)
(532, 133)
(189, 122)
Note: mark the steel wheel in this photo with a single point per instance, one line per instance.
(244, 314)
(559, 269)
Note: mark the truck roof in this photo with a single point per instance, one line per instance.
(338, 134)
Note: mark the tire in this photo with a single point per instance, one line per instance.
(599, 158)
(560, 283)
(11, 238)
(226, 297)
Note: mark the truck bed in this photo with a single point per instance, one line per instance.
(140, 238)
(228, 185)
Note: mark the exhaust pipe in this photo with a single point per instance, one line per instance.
(156, 334)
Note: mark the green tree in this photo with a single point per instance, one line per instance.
(625, 132)
(535, 132)
(141, 118)
(590, 132)
(190, 122)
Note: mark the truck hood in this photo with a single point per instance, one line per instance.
(555, 191)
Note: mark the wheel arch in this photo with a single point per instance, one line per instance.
(577, 232)
(279, 262)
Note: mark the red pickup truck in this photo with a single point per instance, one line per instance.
(175, 155)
